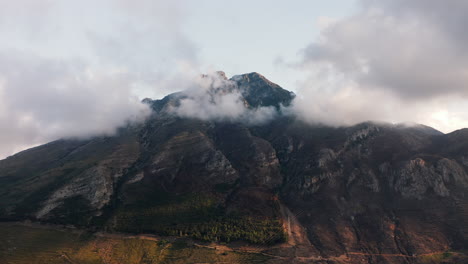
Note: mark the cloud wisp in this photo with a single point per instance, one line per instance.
(214, 97)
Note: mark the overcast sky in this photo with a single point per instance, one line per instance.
(80, 68)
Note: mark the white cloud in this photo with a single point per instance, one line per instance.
(43, 100)
(73, 69)
(392, 61)
(212, 97)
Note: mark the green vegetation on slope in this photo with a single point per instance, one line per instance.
(197, 216)
(444, 258)
(27, 245)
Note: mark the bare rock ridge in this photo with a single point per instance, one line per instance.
(369, 193)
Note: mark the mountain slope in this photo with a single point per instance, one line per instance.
(369, 193)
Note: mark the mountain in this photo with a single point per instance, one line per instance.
(296, 192)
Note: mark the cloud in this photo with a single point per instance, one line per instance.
(213, 97)
(43, 100)
(393, 60)
(74, 69)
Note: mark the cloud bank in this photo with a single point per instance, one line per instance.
(394, 60)
(43, 100)
(73, 69)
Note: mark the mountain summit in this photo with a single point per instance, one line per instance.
(369, 193)
(259, 91)
(254, 90)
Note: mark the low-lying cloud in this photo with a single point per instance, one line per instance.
(43, 100)
(212, 97)
(74, 69)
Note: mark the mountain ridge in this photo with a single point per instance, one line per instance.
(372, 188)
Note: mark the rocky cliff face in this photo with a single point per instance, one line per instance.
(370, 193)
(376, 190)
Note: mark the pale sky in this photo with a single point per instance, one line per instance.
(233, 36)
(80, 68)
(248, 36)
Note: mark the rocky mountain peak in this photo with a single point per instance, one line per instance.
(253, 76)
(222, 74)
(259, 91)
(255, 90)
